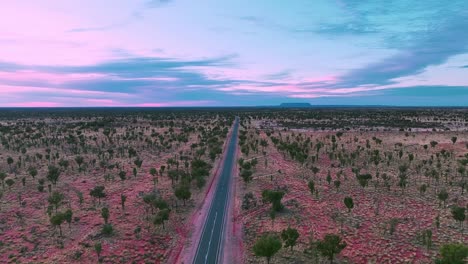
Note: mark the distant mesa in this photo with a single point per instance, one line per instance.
(295, 105)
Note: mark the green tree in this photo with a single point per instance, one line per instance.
(161, 217)
(33, 172)
(2, 178)
(311, 186)
(107, 229)
(79, 160)
(329, 178)
(68, 215)
(138, 162)
(461, 170)
(10, 161)
(426, 237)
(274, 197)
(55, 199)
(453, 254)
(123, 199)
(153, 172)
(10, 183)
(454, 140)
(267, 246)
(315, 170)
(105, 214)
(348, 201)
(458, 213)
(272, 215)
(443, 196)
(289, 236)
(64, 163)
(337, 184)
(98, 249)
(330, 246)
(246, 175)
(57, 220)
(80, 197)
(53, 174)
(422, 189)
(393, 223)
(98, 192)
(183, 192)
(364, 179)
(122, 175)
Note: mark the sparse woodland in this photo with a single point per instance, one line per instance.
(354, 186)
(313, 185)
(107, 185)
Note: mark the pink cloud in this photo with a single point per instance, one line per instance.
(327, 79)
(260, 88)
(33, 104)
(103, 102)
(306, 85)
(162, 79)
(52, 78)
(317, 95)
(10, 89)
(78, 102)
(348, 92)
(174, 103)
(397, 67)
(305, 96)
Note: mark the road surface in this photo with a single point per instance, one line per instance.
(209, 249)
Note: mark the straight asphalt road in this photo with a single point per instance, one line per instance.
(209, 250)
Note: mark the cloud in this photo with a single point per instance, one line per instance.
(34, 104)
(28, 76)
(7, 66)
(99, 28)
(390, 19)
(136, 67)
(118, 82)
(140, 79)
(84, 102)
(116, 25)
(401, 41)
(433, 46)
(429, 91)
(279, 75)
(157, 3)
(405, 63)
(141, 66)
(253, 19)
(175, 104)
(356, 28)
(6, 90)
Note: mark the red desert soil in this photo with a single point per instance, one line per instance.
(26, 233)
(365, 229)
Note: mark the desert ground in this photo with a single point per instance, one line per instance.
(405, 171)
(114, 186)
(309, 186)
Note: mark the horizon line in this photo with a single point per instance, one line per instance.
(240, 106)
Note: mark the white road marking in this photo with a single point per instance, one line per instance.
(211, 237)
(219, 188)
